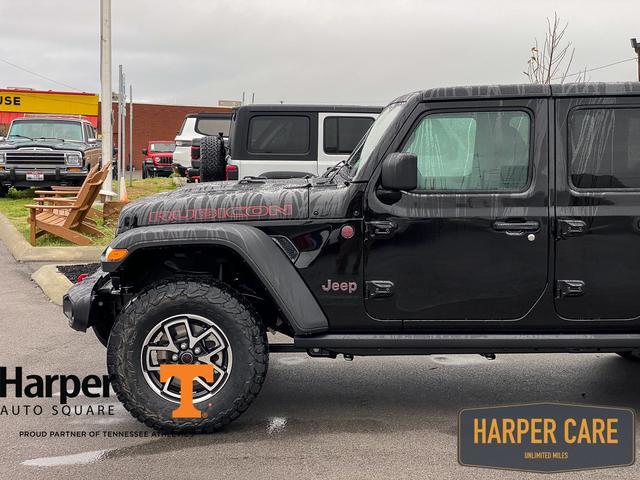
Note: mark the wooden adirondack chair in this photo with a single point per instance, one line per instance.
(66, 192)
(66, 217)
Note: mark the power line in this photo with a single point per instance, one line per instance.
(38, 75)
(594, 69)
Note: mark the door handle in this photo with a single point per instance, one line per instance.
(382, 229)
(571, 228)
(516, 228)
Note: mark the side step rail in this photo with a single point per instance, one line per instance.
(388, 344)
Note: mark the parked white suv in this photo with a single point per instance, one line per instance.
(197, 125)
(284, 141)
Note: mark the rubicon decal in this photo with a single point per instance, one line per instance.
(221, 213)
(547, 437)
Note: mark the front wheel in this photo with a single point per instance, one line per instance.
(187, 322)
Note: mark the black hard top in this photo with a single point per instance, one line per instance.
(524, 90)
(308, 108)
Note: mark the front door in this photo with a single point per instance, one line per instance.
(598, 208)
(471, 243)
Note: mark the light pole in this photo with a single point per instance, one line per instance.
(636, 46)
(105, 90)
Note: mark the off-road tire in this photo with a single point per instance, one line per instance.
(3, 191)
(208, 298)
(144, 172)
(212, 159)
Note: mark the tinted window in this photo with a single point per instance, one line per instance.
(213, 126)
(278, 134)
(604, 148)
(472, 151)
(342, 134)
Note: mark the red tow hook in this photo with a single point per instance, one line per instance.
(81, 277)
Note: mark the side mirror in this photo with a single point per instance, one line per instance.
(2, 139)
(144, 151)
(93, 140)
(400, 171)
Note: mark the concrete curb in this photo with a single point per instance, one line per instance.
(53, 283)
(25, 252)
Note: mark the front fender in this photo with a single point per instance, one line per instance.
(256, 248)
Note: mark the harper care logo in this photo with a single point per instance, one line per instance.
(547, 437)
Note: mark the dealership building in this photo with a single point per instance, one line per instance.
(150, 121)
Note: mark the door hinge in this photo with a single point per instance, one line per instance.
(571, 228)
(379, 288)
(383, 229)
(569, 288)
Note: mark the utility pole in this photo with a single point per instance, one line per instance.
(636, 46)
(105, 89)
(130, 135)
(120, 125)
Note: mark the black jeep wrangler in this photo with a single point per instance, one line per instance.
(485, 220)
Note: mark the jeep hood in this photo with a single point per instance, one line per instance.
(244, 200)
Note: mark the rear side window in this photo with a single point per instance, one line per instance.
(213, 126)
(278, 134)
(474, 151)
(342, 134)
(604, 148)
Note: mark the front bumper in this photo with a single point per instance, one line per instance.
(159, 170)
(17, 177)
(81, 302)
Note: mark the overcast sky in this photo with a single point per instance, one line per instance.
(345, 51)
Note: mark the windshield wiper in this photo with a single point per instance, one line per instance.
(336, 167)
(50, 138)
(20, 136)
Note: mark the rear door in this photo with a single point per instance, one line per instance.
(338, 134)
(598, 208)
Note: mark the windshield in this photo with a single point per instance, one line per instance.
(62, 130)
(163, 147)
(360, 156)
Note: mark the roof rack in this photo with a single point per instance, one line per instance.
(55, 116)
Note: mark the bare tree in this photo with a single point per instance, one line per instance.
(553, 61)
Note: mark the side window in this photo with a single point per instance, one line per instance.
(213, 126)
(89, 132)
(472, 151)
(604, 148)
(342, 134)
(278, 134)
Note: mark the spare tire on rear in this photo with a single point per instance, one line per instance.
(212, 159)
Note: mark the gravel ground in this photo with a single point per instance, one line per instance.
(72, 271)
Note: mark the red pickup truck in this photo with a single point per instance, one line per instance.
(158, 158)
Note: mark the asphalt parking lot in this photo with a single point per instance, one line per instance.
(315, 418)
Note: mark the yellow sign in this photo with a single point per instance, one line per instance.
(25, 101)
